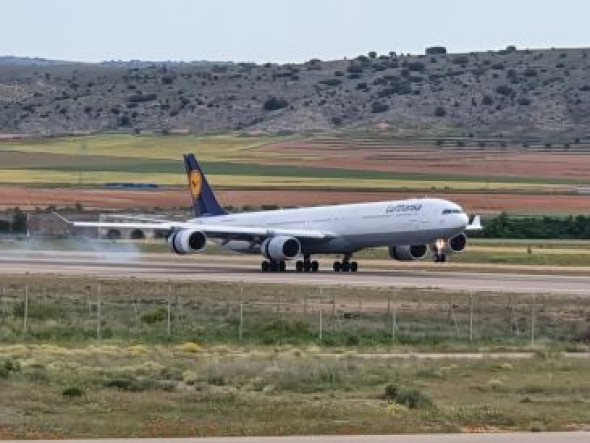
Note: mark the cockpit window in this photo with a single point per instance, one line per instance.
(452, 211)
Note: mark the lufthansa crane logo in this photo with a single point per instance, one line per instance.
(196, 181)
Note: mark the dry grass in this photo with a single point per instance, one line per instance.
(113, 392)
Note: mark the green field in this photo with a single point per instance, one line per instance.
(230, 161)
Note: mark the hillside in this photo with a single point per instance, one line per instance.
(510, 92)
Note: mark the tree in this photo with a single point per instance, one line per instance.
(274, 103)
(372, 54)
(19, 222)
(439, 111)
(436, 50)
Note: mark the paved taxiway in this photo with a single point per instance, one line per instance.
(557, 437)
(238, 269)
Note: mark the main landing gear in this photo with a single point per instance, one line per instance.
(346, 265)
(273, 266)
(307, 265)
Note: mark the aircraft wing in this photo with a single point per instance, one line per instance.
(211, 230)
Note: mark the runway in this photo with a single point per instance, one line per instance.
(532, 437)
(245, 269)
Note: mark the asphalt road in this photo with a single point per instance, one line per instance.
(557, 437)
(245, 269)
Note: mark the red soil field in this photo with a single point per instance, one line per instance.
(468, 161)
(30, 198)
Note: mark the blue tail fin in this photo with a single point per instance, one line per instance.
(204, 201)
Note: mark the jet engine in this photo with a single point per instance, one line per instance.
(408, 253)
(280, 248)
(458, 243)
(187, 241)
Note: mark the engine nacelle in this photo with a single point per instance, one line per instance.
(187, 241)
(458, 243)
(408, 253)
(280, 248)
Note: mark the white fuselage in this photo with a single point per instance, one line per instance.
(352, 227)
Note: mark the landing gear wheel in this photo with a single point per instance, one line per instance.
(354, 266)
(299, 266)
(345, 267)
(315, 266)
(440, 258)
(282, 266)
(337, 266)
(306, 266)
(265, 266)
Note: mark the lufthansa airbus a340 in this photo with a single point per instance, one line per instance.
(411, 229)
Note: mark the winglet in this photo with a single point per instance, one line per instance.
(474, 224)
(204, 201)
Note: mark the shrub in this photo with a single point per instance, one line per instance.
(487, 100)
(412, 398)
(416, 66)
(505, 90)
(72, 392)
(435, 50)
(155, 316)
(354, 69)
(439, 111)
(523, 101)
(378, 107)
(331, 82)
(460, 60)
(137, 98)
(274, 103)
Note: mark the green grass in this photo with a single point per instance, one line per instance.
(59, 380)
(65, 311)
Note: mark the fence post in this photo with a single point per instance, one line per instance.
(471, 317)
(533, 322)
(169, 325)
(98, 314)
(393, 323)
(321, 324)
(26, 309)
(241, 327)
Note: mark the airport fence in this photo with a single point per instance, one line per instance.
(212, 313)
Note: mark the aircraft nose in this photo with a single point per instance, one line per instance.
(463, 220)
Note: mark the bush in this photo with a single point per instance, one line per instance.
(412, 398)
(460, 60)
(436, 50)
(354, 69)
(378, 107)
(505, 90)
(331, 82)
(72, 392)
(523, 101)
(156, 316)
(274, 103)
(487, 100)
(440, 111)
(416, 66)
(138, 98)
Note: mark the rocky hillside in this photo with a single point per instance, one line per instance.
(509, 92)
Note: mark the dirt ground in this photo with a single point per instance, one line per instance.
(424, 159)
(31, 198)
